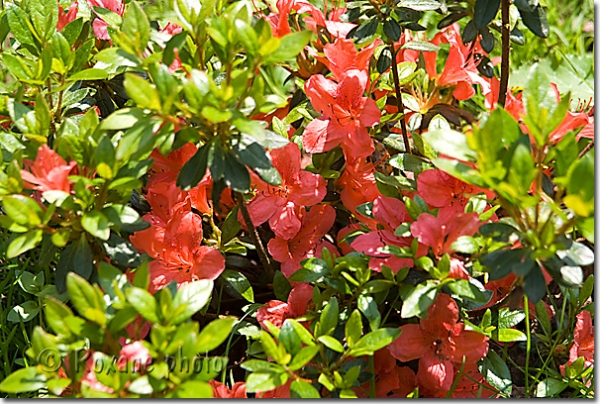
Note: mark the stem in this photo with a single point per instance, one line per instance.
(587, 149)
(372, 392)
(528, 331)
(505, 52)
(260, 249)
(399, 99)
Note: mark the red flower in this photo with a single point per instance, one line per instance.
(389, 213)
(280, 204)
(342, 56)
(307, 243)
(346, 114)
(65, 18)
(440, 343)
(392, 381)
(440, 232)
(440, 189)
(583, 342)
(276, 311)
(49, 172)
(174, 241)
(358, 186)
(238, 390)
(99, 25)
(137, 353)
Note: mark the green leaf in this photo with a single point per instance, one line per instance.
(485, 11)
(496, 372)
(578, 254)
(281, 286)
(418, 301)
(22, 209)
(420, 5)
(534, 284)
(329, 317)
(511, 335)
(236, 174)
(86, 299)
(522, 170)
(24, 380)
(290, 338)
(421, 46)
(365, 30)
(136, 26)
(331, 343)
(385, 60)
(392, 30)
(290, 45)
(368, 307)
(194, 170)
(18, 23)
(24, 242)
(144, 303)
(304, 356)
(550, 387)
(354, 328)
(312, 270)
(465, 245)
(97, 224)
(302, 389)
(194, 295)
(374, 341)
(265, 381)
(464, 288)
(240, 283)
(24, 312)
(536, 20)
(451, 143)
(89, 75)
(194, 389)
(214, 334)
(141, 91)
(77, 257)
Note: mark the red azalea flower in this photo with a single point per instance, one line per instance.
(389, 213)
(49, 172)
(65, 18)
(583, 342)
(137, 353)
(440, 189)
(307, 243)
(342, 56)
(99, 25)
(440, 232)
(346, 114)
(238, 390)
(162, 178)
(174, 240)
(280, 204)
(358, 186)
(391, 380)
(440, 343)
(282, 391)
(276, 311)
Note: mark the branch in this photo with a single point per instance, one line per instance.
(399, 99)
(505, 52)
(260, 249)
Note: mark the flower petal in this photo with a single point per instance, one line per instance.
(411, 344)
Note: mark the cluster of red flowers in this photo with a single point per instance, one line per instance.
(300, 220)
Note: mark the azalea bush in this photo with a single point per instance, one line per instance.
(293, 199)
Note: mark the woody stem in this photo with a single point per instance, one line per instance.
(260, 249)
(399, 99)
(504, 7)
